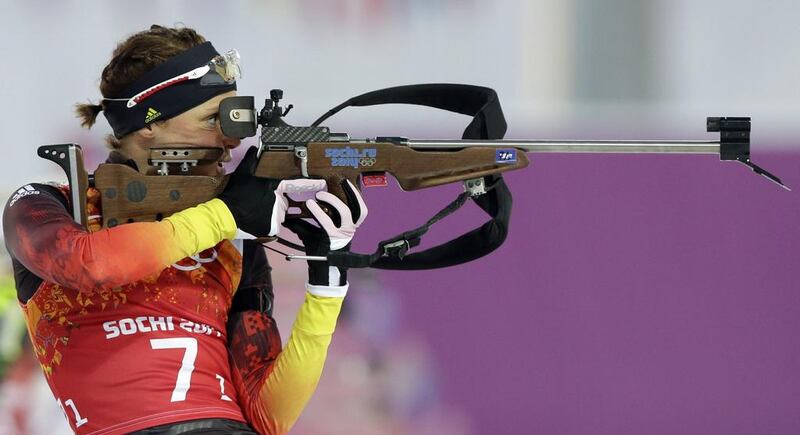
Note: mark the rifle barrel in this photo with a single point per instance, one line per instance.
(578, 146)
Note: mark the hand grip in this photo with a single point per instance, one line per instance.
(334, 185)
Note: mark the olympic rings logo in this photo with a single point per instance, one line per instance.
(367, 161)
(199, 261)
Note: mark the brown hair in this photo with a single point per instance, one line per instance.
(133, 58)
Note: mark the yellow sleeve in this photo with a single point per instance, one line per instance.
(298, 368)
(202, 226)
(41, 234)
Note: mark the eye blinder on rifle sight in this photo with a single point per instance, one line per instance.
(237, 117)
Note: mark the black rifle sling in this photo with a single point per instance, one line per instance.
(487, 122)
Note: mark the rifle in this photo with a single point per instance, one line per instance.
(286, 151)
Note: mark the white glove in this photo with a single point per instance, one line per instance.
(300, 185)
(281, 204)
(324, 279)
(342, 235)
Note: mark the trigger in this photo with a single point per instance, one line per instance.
(296, 209)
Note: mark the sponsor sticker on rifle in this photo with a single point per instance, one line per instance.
(351, 157)
(505, 156)
(375, 180)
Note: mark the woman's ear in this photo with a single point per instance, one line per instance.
(146, 132)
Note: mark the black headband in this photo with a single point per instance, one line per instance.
(170, 101)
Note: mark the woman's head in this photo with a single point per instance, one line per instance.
(135, 56)
(153, 66)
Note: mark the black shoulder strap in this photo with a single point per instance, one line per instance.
(479, 102)
(487, 122)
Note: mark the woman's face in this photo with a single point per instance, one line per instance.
(197, 127)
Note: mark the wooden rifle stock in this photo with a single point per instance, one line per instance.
(129, 196)
(413, 169)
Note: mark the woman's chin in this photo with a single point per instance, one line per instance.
(215, 170)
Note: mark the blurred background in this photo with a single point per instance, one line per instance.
(636, 294)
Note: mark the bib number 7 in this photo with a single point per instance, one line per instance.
(184, 380)
(189, 345)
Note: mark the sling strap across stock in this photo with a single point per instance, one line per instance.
(487, 122)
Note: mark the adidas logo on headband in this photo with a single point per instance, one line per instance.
(152, 114)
